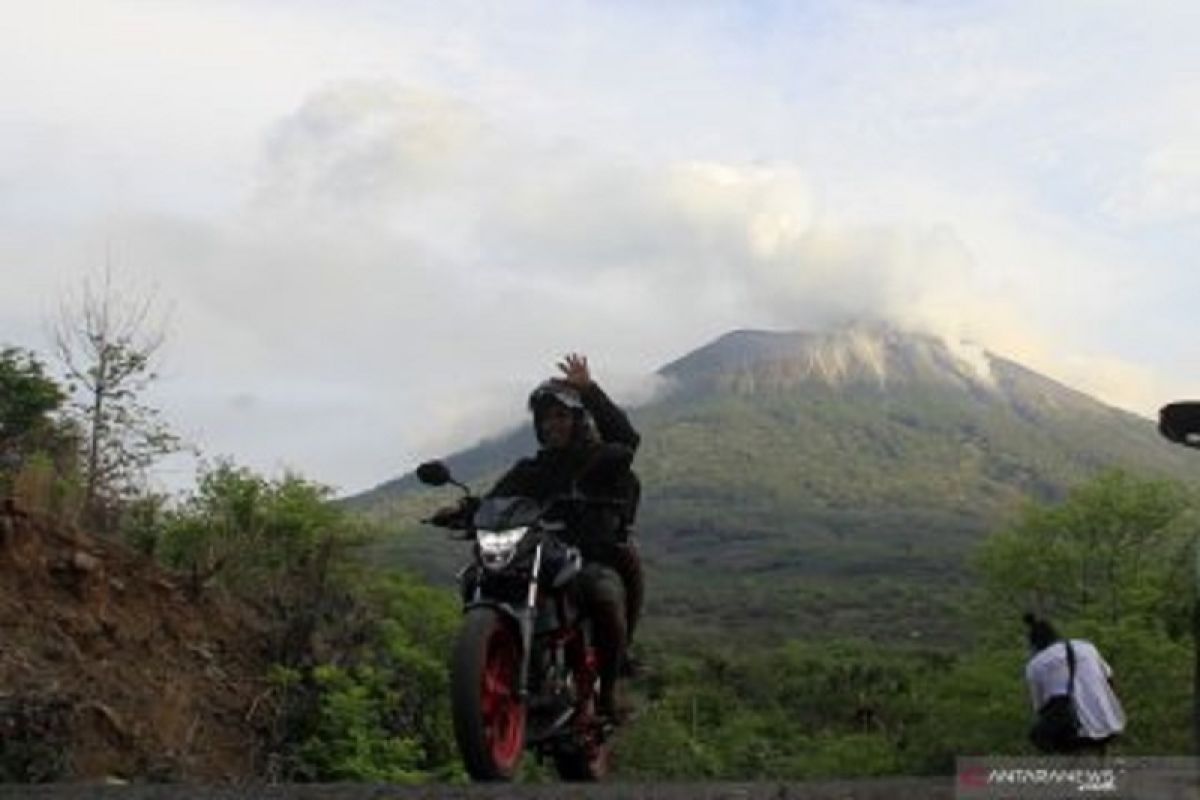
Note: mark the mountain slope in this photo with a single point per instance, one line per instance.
(792, 475)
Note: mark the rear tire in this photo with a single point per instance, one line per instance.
(489, 717)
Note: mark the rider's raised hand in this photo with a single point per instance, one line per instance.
(575, 370)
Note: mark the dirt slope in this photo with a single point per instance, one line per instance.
(108, 668)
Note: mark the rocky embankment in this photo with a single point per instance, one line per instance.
(113, 669)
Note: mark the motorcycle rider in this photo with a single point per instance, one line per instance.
(586, 445)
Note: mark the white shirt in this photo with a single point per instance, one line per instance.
(1099, 710)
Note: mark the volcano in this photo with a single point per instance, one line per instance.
(826, 481)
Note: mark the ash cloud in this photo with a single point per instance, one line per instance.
(430, 265)
(418, 266)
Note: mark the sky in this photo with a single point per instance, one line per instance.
(372, 227)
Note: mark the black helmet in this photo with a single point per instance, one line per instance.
(554, 391)
(558, 392)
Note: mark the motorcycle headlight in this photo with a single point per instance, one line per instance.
(497, 548)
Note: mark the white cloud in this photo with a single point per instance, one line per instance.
(398, 218)
(1165, 190)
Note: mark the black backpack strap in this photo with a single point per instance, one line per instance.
(1070, 668)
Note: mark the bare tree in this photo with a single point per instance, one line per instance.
(108, 338)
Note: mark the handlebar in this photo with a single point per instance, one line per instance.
(462, 517)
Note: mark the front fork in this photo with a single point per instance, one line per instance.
(584, 654)
(527, 619)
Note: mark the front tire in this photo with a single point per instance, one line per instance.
(489, 716)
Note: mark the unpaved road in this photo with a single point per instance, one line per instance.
(882, 789)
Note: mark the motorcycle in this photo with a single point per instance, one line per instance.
(524, 673)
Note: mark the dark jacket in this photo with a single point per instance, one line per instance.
(594, 467)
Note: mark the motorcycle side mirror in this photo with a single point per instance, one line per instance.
(1180, 422)
(434, 473)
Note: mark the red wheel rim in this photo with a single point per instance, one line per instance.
(503, 712)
